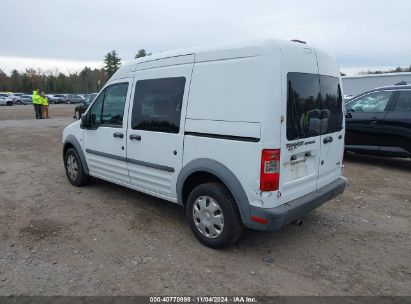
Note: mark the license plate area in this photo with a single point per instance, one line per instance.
(298, 169)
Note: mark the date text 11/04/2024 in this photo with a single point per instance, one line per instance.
(205, 299)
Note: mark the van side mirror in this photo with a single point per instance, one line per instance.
(85, 121)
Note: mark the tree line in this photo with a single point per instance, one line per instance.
(396, 70)
(53, 81)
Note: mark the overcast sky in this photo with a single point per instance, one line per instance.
(68, 35)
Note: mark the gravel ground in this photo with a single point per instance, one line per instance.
(104, 239)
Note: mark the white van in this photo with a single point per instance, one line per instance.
(241, 135)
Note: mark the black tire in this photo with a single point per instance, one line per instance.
(81, 177)
(19, 102)
(77, 115)
(233, 226)
(9, 103)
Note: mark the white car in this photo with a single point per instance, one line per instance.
(218, 130)
(5, 101)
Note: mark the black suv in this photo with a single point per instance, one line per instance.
(81, 108)
(379, 122)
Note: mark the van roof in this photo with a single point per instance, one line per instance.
(238, 49)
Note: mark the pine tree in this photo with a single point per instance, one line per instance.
(142, 53)
(3, 80)
(111, 63)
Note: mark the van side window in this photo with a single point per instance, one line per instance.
(303, 106)
(113, 106)
(157, 104)
(95, 111)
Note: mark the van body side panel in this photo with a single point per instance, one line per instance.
(228, 90)
(229, 97)
(299, 157)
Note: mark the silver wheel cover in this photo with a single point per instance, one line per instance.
(208, 217)
(72, 168)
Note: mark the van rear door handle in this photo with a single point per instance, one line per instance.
(118, 134)
(327, 140)
(135, 137)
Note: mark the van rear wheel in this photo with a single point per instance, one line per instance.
(213, 216)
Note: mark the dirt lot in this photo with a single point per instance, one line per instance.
(103, 239)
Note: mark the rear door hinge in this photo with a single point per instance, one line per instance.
(282, 118)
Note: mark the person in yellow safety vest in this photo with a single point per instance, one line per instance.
(37, 104)
(44, 105)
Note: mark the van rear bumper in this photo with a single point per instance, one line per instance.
(294, 210)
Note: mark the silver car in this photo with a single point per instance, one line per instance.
(21, 99)
(57, 98)
(75, 98)
(5, 101)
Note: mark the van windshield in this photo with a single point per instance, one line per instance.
(314, 105)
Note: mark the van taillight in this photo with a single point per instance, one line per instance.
(270, 170)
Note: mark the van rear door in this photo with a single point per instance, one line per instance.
(300, 132)
(332, 120)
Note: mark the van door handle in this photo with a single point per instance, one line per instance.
(118, 134)
(293, 157)
(135, 137)
(327, 140)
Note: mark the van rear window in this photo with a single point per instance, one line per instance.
(314, 105)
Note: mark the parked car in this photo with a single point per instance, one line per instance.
(5, 101)
(379, 122)
(74, 98)
(57, 98)
(22, 99)
(15, 97)
(81, 108)
(238, 151)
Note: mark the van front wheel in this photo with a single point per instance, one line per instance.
(212, 215)
(74, 168)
